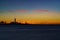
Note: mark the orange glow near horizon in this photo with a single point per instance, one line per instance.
(44, 17)
(36, 22)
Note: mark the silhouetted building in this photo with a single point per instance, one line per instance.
(15, 20)
(2, 22)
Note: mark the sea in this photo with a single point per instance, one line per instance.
(29, 32)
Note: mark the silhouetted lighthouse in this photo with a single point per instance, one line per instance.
(14, 20)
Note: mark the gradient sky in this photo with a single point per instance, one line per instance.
(31, 11)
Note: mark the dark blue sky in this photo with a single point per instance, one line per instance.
(30, 5)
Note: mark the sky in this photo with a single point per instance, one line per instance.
(30, 11)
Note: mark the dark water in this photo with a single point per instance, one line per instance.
(29, 32)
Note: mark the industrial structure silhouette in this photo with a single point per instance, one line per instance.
(14, 22)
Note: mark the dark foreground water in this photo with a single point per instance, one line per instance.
(29, 32)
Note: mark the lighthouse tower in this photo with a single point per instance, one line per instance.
(14, 20)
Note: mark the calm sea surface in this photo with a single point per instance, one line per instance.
(29, 32)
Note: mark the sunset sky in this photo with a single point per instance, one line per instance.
(30, 11)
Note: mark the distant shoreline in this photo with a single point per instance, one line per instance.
(33, 24)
